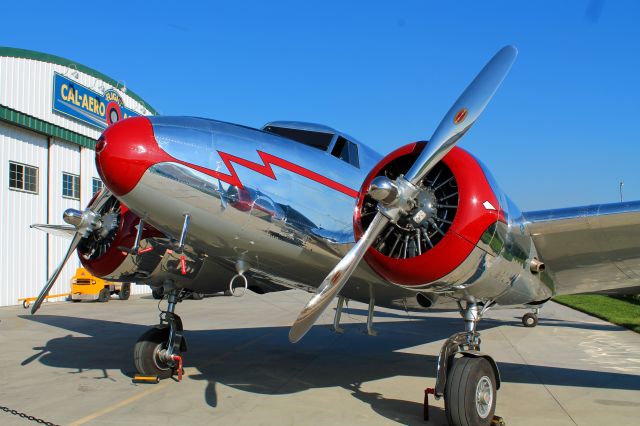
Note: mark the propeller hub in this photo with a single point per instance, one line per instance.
(85, 222)
(72, 217)
(400, 199)
(426, 209)
(109, 223)
(383, 190)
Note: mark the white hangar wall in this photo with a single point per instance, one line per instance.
(34, 135)
(64, 157)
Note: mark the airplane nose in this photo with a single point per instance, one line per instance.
(125, 151)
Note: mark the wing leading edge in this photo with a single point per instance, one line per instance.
(589, 248)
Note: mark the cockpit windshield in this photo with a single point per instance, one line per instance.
(319, 137)
(318, 140)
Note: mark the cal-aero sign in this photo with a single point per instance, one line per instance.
(101, 110)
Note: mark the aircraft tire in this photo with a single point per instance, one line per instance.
(197, 296)
(145, 353)
(125, 291)
(470, 392)
(529, 320)
(157, 292)
(104, 295)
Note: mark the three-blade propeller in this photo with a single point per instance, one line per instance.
(396, 198)
(83, 224)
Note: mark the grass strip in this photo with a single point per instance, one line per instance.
(625, 313)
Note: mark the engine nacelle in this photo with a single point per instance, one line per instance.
(455, 209)
(107, 252)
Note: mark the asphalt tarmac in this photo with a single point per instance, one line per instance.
(72, 364)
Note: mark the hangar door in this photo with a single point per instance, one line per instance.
(23, 201)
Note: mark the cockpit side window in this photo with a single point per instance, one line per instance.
(319, 140)
(353, 154)
(346, 151)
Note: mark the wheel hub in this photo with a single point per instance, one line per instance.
(484, 397)
(159, 355)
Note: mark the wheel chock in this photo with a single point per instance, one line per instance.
(427, 392)
(179, 370)
(498, 421)
(152, 380)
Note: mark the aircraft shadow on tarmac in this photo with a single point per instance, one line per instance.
(262, 361)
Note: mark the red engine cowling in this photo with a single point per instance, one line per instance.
(101, 253)
(461, 205)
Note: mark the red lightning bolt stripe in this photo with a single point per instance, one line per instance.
(265, 169)
(127, 150)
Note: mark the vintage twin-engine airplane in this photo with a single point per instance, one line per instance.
(196, 205)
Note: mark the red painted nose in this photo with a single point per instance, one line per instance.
(125, 151)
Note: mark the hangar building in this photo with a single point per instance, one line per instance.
(52, 111)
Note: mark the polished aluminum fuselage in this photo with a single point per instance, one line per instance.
(290, 229)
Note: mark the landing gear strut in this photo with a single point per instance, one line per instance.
(466, 378)
(158, 352)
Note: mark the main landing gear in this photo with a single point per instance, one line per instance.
(466, 378)
(158, 352)
(530, 319)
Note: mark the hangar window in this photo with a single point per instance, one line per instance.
(96, 185)
(23, 177)
(319, 140)
(71, 186)
(346, 151)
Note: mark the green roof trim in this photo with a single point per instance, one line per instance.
(40, 126)
(13, 52)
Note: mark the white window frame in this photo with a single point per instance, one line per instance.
(75, 186)
(24, 167)
(93, 185)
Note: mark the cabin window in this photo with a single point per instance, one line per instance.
(346, 151)
(319, 140)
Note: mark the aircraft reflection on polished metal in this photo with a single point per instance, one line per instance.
(200, 205)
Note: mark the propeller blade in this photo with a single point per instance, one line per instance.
(94, 208)
(464, 113)
(100, 200)
(65, 231)
(335, 281)
(52, 280)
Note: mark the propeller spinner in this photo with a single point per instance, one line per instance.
(397, 198)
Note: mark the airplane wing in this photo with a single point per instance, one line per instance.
(590, 248)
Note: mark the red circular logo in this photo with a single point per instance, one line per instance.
(460, 116)
(114, 114)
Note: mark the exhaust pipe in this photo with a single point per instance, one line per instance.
(536, 265)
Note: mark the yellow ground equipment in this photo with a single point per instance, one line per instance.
(26, 301)
(85, 286)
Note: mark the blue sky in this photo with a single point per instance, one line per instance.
(561, 131)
